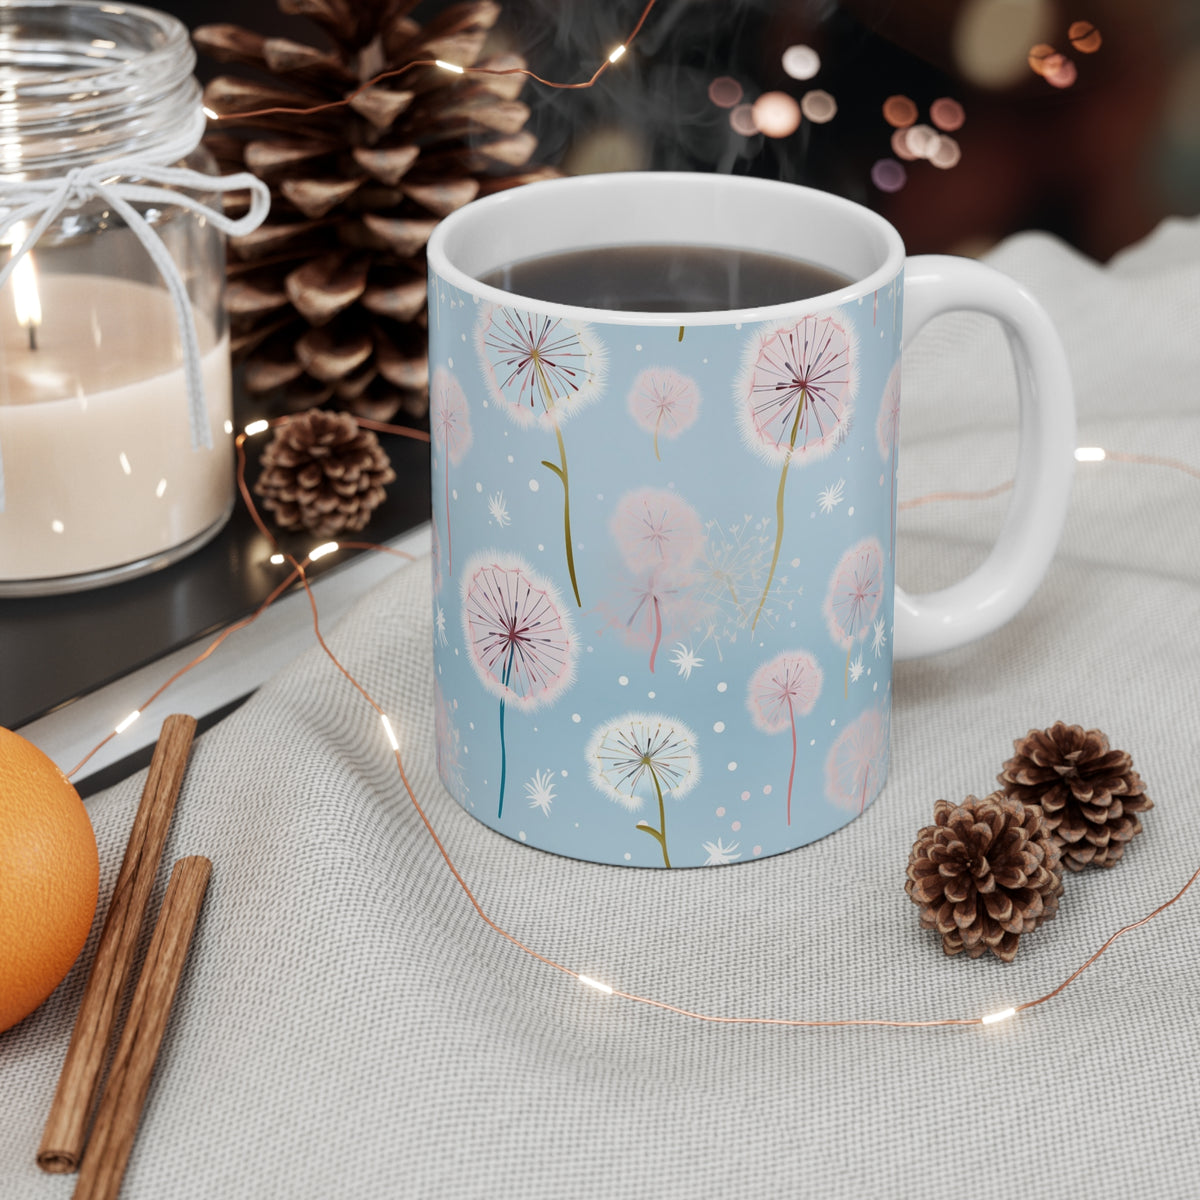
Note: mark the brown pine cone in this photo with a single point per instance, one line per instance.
(1089, 793)
(985, 872)
(322, 473)
(327, 298)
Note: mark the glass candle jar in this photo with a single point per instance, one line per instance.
(115, 437)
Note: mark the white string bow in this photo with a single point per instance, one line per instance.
(44, 200)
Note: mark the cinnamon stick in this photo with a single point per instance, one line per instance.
(128, 1083)
(66, 1126)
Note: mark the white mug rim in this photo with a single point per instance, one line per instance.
(510, 202)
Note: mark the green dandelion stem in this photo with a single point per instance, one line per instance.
(779, 508)
(561, 472)
(660, 834)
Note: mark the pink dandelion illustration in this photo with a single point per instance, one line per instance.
(794, 395)
(519, 638)
(663, 402)
(857, 762)
(887, 437)
(783, 688)
(450, 425)
(854, 595)
(656, 528)
(662, 599)
(541, 370)
(642, 754)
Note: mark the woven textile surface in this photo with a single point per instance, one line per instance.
(348, 1026)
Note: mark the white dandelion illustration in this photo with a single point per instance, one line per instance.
(498, 510)
(541, 370)
(641, 754)
(878, 637)
(540, 791)
(829, 498)
(685, 659)
(719, 854)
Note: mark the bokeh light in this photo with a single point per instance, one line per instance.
(1059, 71)
(947, 114)
(991, 38)
(801, 62)
(900, 145)
(818, 106)
(921, 140)
(724, 91)
(888, 175)
(899, 111)
(776, 114)
(1038, 55)
(946, 153)
(741, 117)
(1085, 37)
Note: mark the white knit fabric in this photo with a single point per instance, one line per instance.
(348, 1027)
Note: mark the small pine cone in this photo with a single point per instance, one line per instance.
(1089, 793)
(985, 872)
(322, 473)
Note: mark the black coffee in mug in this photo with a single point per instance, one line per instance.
(665, 278)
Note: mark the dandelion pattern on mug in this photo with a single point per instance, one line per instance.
(663, 588)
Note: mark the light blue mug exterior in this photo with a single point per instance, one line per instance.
(707, 678)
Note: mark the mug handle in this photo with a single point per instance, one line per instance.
(1001, 585)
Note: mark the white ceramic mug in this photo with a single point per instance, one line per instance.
(660, 538)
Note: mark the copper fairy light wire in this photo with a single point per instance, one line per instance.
(614, 56)
(299, 572)
(1083, 454)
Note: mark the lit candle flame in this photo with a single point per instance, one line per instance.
(26, 300)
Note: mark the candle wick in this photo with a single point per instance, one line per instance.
(32, 335)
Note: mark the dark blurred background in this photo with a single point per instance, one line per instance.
(1095, 137)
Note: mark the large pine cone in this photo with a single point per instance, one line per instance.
(1090, 794)
(984, 873)
(322, 473)
(327, 298)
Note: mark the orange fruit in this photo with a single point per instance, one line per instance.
(49, 877)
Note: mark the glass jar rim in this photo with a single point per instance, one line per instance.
(86, 80)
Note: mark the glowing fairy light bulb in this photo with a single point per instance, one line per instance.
(391, 733)
(449, 66)
(1002, 1015)
(129, 720)
(259, 426)
(1090, 454)
(617, 52)
(208, 112)
(588, 981)
(320, 551)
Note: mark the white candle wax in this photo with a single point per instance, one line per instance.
(94, 431)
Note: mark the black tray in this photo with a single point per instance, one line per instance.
(54, 649)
